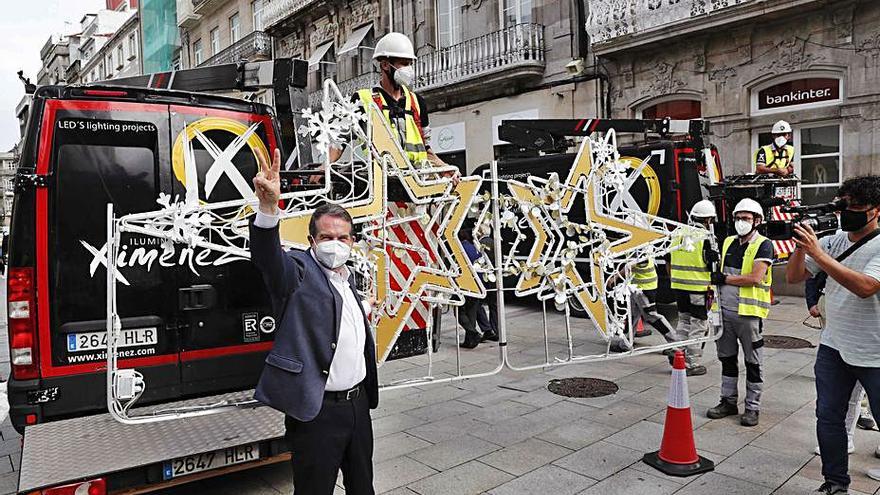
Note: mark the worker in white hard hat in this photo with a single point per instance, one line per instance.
(689, 277)
(406, 111)
(744, 291)
(777, 157)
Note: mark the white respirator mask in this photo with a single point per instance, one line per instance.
(743, 227)
(404, 76)
(332, 254)
(780, 141)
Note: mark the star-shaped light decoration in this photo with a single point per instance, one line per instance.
(609, 241)
(446, 271)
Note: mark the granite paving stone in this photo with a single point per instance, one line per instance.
(546, 480)
(520, 458)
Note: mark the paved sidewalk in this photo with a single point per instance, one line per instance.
(507, 434)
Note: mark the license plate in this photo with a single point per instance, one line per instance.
(129, 337)
(210, 460)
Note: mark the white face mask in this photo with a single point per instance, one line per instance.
(404, 75)
(743, 227)
(332, 254)
(780, 141)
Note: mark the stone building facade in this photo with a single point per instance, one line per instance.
(479, 61)
(743, 65)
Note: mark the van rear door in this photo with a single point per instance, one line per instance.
(103, 151)
(226, 320)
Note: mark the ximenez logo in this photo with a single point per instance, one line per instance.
(799, 92)
(150, 253)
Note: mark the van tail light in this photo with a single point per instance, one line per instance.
(92, 487)
(22, 309)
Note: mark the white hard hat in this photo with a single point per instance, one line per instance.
(395, 45)
(781, 127)
(703, 209)
(749, 205)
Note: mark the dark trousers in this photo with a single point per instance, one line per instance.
(488, 324)
(467, 315)
(340, 437)
(835, 380)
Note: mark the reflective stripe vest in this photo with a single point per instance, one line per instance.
(776, 161)
(753, 301)
(645, 275)
(688, 271)
(413, 144)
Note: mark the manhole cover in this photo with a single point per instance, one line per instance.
(582, 388)
(785, 342)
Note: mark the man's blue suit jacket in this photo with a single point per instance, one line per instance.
(309, 311)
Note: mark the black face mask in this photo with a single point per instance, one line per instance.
(853, 221)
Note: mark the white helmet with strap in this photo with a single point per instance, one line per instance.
(703, 209)
(394, 45)
(749, 205)
(781, 127)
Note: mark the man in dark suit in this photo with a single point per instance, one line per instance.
(321, 371)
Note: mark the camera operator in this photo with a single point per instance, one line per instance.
(849, 349)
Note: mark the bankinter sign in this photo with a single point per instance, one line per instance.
(799, 92)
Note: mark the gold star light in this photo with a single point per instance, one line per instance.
(455, 276)
(548, 241)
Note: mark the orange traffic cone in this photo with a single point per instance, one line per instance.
(641, 331)
(678, 454)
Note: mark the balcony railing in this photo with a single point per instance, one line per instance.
(255, 45)
(276, 11)
(521, 45)
(347, 87)
(610, 21)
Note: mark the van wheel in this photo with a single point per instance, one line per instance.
(576, 309)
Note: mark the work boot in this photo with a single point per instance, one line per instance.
(829, 488)
(722, 410)
(695, 370)
(865, 423)
(749, 418)
(471, 340)
(490, 335)
(618, 345)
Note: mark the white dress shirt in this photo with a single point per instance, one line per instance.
(349, 366)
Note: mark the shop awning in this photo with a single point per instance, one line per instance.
(357, 37)
(319, 53)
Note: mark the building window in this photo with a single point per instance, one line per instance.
(234, 28)
(215, 41)
(448, 22)
(110, 64)
(363, 59)
(820, 165)
(515, 12)
(817, 161)
(327, 66)
(674, 109)
(197, 52)
(101, 72)
(257, 9)
(120, 56)
(132, 46)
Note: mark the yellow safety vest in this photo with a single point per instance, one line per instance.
(413, 145)
(688, 271)
(645, 275)
(774, 161)
(753, 301)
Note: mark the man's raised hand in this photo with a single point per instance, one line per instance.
(267, 183)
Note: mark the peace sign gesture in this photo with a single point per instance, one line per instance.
(267, 183)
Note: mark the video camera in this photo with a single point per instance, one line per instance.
(821, 218)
